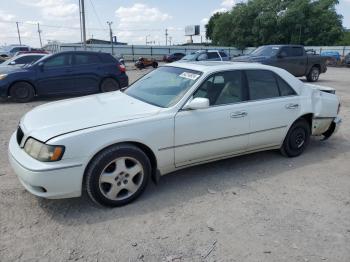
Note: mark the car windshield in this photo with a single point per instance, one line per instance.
(265, 51)
(164, 86)
(189, 57)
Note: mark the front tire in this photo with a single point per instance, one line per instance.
(154, 64)
(117, 175)
(109, 84)
(22, 92)
(297, 139)
(313, 75)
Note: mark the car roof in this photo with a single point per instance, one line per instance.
(81, 52)
(213, 66)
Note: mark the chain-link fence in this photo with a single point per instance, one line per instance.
(133, 52)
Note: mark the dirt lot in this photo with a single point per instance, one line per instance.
(261, 207)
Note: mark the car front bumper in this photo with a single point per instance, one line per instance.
(48, 180)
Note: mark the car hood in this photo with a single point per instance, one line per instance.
(57, 118)
(8, 69)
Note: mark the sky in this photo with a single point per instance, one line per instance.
(133, 20)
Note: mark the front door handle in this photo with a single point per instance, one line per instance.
(292, 106)
(239, 114)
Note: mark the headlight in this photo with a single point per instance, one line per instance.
(2, 76)
(43, 152)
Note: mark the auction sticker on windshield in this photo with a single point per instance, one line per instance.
(189, 75)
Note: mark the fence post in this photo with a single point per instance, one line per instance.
(151, 52)
(132, 52)
(343, 51)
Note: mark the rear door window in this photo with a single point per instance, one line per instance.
(296, 51)
(84, 59)
(213, 55)
(223, 54)
(262, 84)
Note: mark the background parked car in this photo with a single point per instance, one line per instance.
(11, 50)
(210, 55)
(65, 73)
(32, 51)
(22, 60)
(292, 58)
(145, 62)
(173, 57)
(347, 60)
(333, 57)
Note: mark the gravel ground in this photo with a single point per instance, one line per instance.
(259, 207)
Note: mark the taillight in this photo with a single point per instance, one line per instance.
(122, 68)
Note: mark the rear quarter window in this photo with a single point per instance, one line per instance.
(285, 89)
(107, 58)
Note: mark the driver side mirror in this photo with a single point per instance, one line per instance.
(197, 103)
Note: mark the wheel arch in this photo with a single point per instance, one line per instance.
(146, 149)
(19, 81)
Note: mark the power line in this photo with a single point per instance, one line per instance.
(93, 8)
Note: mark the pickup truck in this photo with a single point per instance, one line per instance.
(292, 58)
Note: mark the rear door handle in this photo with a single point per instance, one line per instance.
(292, 106)
(239, 114)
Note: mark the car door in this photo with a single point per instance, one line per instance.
(87, 69)
(292, 59)
(55, 75)
(273, 105)
(217, 131)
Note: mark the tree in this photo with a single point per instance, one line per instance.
(259, 22)
(210, 26)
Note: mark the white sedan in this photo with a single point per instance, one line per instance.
(183, 114)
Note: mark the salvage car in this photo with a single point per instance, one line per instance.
(143, 62)
(64, 73)
(292, 58)
(179, 115)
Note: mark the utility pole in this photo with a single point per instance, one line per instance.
(39, 32)
(166, 36)
(83, 22)
(111, 34)
(170, 40)
(19, 35)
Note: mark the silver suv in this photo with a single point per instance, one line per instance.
(209, 55)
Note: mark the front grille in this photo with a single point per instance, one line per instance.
(19, 135)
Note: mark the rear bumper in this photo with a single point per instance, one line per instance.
(123, 80)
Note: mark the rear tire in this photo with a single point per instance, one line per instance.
(313, 75)
(22, 92)
(117, 175)
(109, 84)
(297, 139)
